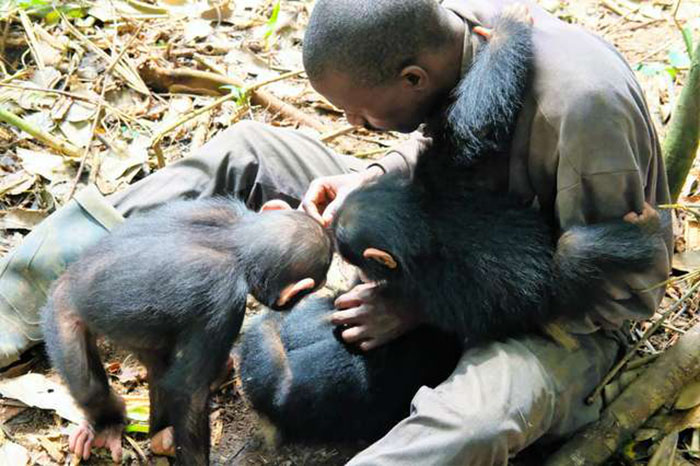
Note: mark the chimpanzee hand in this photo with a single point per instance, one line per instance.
(649, 220)
(327, 193)
(373, 321)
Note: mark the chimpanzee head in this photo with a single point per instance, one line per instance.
(288, 256)
(381, 229)
(386, 63)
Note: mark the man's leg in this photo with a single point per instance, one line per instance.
(253, 161)
(501, 398)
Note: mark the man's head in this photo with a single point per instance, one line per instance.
(386, 63)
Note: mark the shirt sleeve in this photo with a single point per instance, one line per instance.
(607, 151)
(402, 158)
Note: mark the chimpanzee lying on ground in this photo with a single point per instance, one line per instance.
(171, 286)
(295, 370)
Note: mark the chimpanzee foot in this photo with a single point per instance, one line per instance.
(84, 438)
(163, 443)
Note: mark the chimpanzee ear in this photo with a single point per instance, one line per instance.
(380, 256)
(290, 291)
(275, 204)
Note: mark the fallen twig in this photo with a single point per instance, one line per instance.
(98, 113)
(632, 351)
(656, 386)
(31, 39)
(64, 147)
(243, 95)
(334, 134)
(124, 68)
(163, 79)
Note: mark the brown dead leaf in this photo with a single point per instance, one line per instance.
(52, 449)
(686, 261)
(16, 183)
(50, 166)
(42, 120)
(78, 133)
(21, 219)
(197, 29)
(38, 391)
(665, 452)
(46, 78)
(689, 396)
(12, 454)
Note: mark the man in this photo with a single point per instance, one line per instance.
(584, 150)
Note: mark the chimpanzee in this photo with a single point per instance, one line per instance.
(171, 286)
(297, 371)
(478, 262)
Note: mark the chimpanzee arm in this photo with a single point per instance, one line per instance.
(609, 164)
(488, 98)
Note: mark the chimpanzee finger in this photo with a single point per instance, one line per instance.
(348, 300)
(115, 446)
(354, 334)
(87, 445)
(370, 344)
(350, 316)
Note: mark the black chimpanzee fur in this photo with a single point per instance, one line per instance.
(171, 286)
(297, 372)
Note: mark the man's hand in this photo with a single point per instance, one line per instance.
(326, 194)
(373, 321)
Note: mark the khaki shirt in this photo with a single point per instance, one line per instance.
(584, 148)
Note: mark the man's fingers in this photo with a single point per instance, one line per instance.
(315, 200)
(355, 334)
(330, 211)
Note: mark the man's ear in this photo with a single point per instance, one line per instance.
(275, 204)
(290, 291)
(415, 77)
(380, 256)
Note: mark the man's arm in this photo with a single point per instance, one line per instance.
(403, 157)
(610, 165)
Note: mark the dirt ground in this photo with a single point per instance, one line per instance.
(241, 39)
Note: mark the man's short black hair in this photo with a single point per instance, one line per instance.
(370, 40)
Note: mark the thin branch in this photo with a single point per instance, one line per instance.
(64, 147)
(632, 351)
(98, 113)
(334, 134)
(246, 92)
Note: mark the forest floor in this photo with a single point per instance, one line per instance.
(111, 62)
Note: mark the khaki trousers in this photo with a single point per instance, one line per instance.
(502, 396)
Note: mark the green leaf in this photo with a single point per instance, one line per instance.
(138, 412)
(678, 59)
(53, 17)
(651, 69)
(240, 93)
(688, 39)
(140, 428)
(272, 22)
